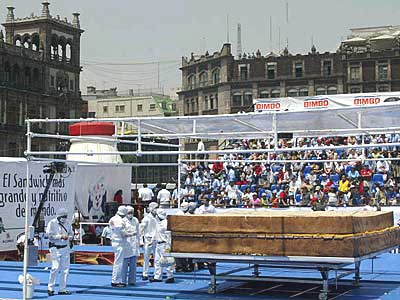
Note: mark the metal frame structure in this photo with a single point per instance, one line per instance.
(340, 265)
(341, 121)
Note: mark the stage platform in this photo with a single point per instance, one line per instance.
(90, 282)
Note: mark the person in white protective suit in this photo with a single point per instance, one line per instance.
(60, 235)
(163, 238)
(132, 251)
(119, 242)
(148, 229)
(184, 208)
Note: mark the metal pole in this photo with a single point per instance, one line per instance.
(139, 138)
(26, 253)
(178, 186)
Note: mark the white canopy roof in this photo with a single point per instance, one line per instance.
(348, 121)
(317, 122)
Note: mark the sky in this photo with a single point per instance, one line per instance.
(127, 43)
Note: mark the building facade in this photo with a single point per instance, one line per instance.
(368, 61)
(39, 76)
(110, 104)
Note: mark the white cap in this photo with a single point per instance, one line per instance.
(130, 209)
(122, 211)
(153, 206)
(161, 213)
(185, 206)
(62, 212)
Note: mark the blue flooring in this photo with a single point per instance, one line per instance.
(89, 282)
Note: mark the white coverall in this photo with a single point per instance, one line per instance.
(131, 252)
(163, 242)
(119, 242)
(60, 259)
(148, 229)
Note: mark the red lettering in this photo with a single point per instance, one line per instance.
(316, 103)
(367, 101)
(268, 106)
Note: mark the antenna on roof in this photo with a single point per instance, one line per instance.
(287, 12)
(270, 32)
(227, 28)
(279, 39)
(239, 41)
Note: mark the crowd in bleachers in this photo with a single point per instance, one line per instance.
(262, 179)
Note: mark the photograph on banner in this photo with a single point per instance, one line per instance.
(13, 182)
(100, 185)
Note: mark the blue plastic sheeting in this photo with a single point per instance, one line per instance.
(89, 282)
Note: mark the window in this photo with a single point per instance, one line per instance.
(383, 71)
(275, 93)
(216, 101)
(248, 99)
(51, 80)
(355, 72)
(119, 108)
(203, 79)
(215, 76)
(91, 114)
(383, 88)
(355, 90)
(237, 99)
(264, 94)
(71, 85)
(152, 107)
(332, 90)
(187, 106)
(191, 82)
(298, 69)
(320, 91)
(193, 105)
(271, 70)
(211, 102)
(205, 102)
(164, 105)
(140, 107)
(243, 72)
(327, 68)
(303, 92)
(105, 109)
(292, 93)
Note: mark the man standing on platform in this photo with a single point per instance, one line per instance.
(148, 230)
(163, 238)
(145, 195)
(119, 243)
(132, 251)
(60, 236)
(164, 197)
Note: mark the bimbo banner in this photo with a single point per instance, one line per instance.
(325, 101)
(13, 182)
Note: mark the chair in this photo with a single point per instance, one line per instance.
(253, 188)
(243, 187)
(298, 198)
(377, 178)
(335, 178)
(307, 170)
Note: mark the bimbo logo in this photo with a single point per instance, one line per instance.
(367, 101)
(268, 106)
(320, 103)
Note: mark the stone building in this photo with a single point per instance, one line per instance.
(39, 76)
(219, 83)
